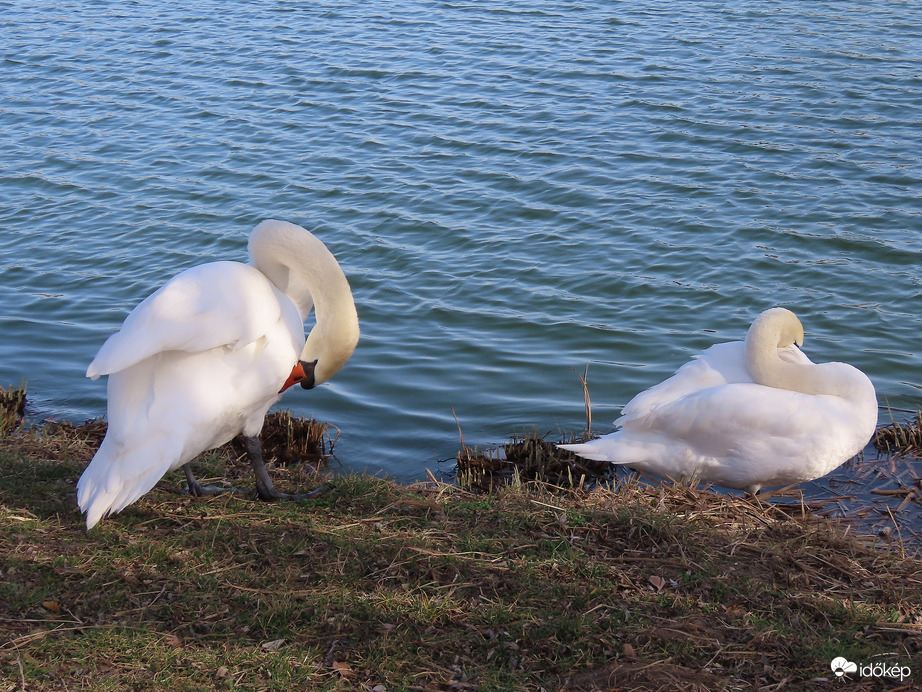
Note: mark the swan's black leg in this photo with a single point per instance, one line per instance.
(265, 489)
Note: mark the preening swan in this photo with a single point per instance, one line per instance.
(203, 358)
(746, 415)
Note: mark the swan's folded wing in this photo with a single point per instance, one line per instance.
(746, 421)
(718, 365)
(212, 305)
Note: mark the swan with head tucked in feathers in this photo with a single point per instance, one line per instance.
(746, 415)
(202, 359)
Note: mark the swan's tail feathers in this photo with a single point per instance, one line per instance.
(114, 480)
(94, 372)
(107, 359)
(588, 450)
(103, 361)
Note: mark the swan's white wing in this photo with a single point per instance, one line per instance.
(165, 410)
(713, 405)
(739, 435)
(218, 304)
(718, 365)
(737, 419)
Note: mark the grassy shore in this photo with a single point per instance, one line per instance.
(376, 586)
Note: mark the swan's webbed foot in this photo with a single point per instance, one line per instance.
(766, 494)
(196, 489)
(270, 494)
(265, 489)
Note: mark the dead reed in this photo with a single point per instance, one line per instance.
(12, 408)
(526, 458)
(904, 439)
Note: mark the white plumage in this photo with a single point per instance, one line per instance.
(746, 415)
(204, 357)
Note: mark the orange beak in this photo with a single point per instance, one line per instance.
(297, 375)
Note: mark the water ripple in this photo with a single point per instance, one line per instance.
(514, 190)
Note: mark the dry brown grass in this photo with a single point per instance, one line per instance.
(626, 585)
(431, 587)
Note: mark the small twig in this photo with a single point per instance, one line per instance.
(893, 408)
(458, 423)
(584, 380)
(22, 674)
(20, 642)
(898, 533)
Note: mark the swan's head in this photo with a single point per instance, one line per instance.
(777, 328)
(774, 329)
(321, 359)
(327, 349)
(302, 267)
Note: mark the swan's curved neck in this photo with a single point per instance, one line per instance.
(302, 267)
(774, 329)
(779, 328)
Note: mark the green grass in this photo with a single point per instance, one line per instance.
(432, 588)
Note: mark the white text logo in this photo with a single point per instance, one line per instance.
(841, 666)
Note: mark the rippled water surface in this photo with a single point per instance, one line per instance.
(514, 189)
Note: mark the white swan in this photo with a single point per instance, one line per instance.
(204, 357)
(746, 414)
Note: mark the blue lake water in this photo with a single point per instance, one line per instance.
(514, 190)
